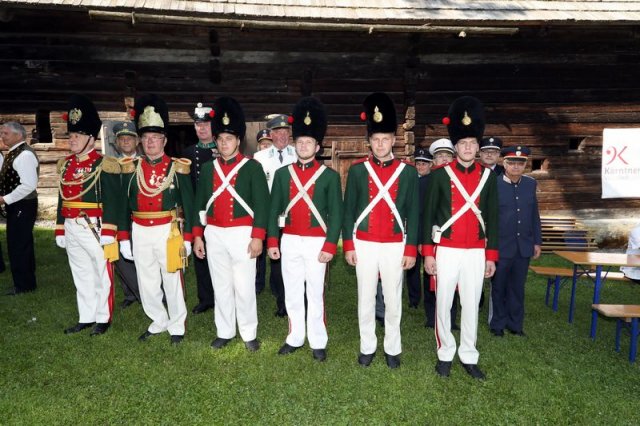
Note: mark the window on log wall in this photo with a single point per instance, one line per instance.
(575, 144)
(42, 132)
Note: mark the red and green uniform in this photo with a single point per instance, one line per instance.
(326, 194)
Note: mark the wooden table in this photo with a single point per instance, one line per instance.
(581, 263)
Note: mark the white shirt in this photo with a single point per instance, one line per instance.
(633, 248)
(270, 160)
(26, 164)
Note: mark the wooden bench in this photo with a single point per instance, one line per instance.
(626, 316)
(565, 233)
(557, 276)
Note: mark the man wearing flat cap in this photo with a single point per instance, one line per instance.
(520, 239)
(88, 207)
(490, 152)
(264, 140)
(157, 214)
(199, 154)
(380, 228)
(232, 207)
(279, 155)
(461, 219)
(127, 147)
(306, 206)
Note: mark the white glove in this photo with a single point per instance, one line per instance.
(60, 241)
(125, 249)
(106, 239)
(187, 246)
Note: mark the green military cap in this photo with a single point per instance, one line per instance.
(124, 128)
(277, 121)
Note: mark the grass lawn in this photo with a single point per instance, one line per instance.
(556, 375)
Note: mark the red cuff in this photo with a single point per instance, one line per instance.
(330, 248)
(187, 236)
(347, 245)
(260, 233)
(197, 231)
(491, 255)
(428, 250)
(59, 231)
(410, 250)
(272, 242)
(123, 236)
(105, 232)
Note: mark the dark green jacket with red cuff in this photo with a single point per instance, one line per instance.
(381, 225)
(443, 199)
(250, 183)
(326, 195)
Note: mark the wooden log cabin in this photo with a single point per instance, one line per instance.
(552, 74)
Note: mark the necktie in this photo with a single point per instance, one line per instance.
(280, 156)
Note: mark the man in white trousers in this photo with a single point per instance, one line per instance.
(306, 203)
(380, 228)
(232, 206)
(461, 218)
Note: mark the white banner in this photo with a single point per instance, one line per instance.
(621, 163)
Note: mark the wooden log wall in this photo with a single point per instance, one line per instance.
(552, 88)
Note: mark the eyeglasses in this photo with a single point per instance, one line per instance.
(515, 163)
(152, 138)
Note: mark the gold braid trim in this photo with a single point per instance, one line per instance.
(145, 189)
(110, 165)
(127, 165)
(92, 177)
(60, 165)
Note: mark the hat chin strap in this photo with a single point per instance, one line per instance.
(85, 145)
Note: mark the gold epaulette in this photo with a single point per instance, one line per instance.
(182, 165)
(127, 165)
(60, 165)
(110, 165)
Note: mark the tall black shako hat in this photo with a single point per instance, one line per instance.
(465, 120)
(151, 114)
(228, 117)
(82, 116)
(379, 113)
(309, 119)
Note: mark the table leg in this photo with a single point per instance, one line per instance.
(572, 302)
(546, 296)
(596, 299)
(633, 348)
(556, 293)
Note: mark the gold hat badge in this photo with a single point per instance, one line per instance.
(75, 115)
(377, 115)
(466, 120)
(150, 118)
(225, 119)
(307, 119)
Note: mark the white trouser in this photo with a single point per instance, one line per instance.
(90, 272)
(464, 269)
(150, 257)
(299, 265)
(385, 259)
(233, 274)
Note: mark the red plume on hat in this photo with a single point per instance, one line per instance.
(446, 121)
(363, 116)
(290, 119)
(65, 116)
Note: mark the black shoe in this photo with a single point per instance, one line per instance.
(443, 368)
(176, 339)
(287, 349)
(413, 305)
(454, 326)
(126, 303)
(219, 343)
(428, 324)
(252, 345)
(393, 361)
(281, 313)
(144, 336)
(100, 328)
(365, 360)
(201, 307)
(497, 333)
(78, 327)
(518, 333)
(380, 321)
(473, 371)
(319, 354)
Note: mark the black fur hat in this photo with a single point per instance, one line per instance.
(379, 113)
(228, 117)
(466, 119)
(309, 119)
(151, 114)
(82, 116)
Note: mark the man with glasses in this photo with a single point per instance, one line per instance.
(520, 239)
(490, 152)
(157, 214)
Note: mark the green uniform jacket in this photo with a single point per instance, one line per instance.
(327, 198)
